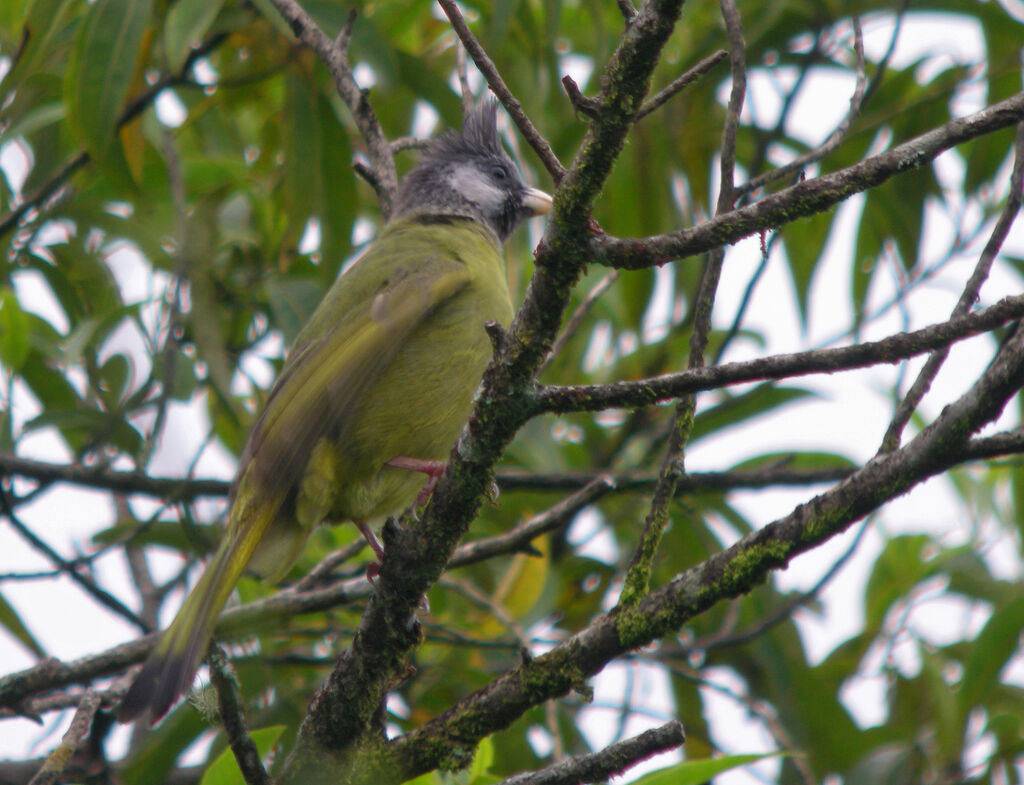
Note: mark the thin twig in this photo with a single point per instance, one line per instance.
(637, 581)
(611, 761)
(968, 298)
(322, 571)
(587, 107)
(581, 312)
(101, 595)
(737, 60)
(719, 641)
(518, 539)
(465, 93)
(58, 760)
(680, 83)
(834, 139)
(335, 56)
(403, 143)
(560, 400)
(487, 603)
(77, 160)
(509, 480)
(229, 705)
(883, 64)
(500, 89)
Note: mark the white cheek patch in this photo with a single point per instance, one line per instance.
(476, 188)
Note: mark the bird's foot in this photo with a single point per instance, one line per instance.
(373, 572)
(433, 470)
(374, 567)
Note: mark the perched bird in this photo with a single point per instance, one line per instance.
(375, 390)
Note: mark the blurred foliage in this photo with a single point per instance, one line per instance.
(203, 227)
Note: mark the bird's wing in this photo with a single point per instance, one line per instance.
(323, 383)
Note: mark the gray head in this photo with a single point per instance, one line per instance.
(469, 174)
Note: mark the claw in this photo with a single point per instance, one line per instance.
(433, 470)
(373, 568)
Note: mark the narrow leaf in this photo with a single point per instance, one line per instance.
(695, 772)
(224, 770)
(102, 68)
(14, 331)
(187, 23)
(998, 640)
(11, 622)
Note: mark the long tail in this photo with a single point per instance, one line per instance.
(171, 666)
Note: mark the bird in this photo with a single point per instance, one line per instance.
(374, 391)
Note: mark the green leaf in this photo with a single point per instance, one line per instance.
(482, 762)
(205, 315)
(14, 331)
(11, 622)
(155, 756)
(186, 24)
(224, 770)
(292, 302)
(805, 240)
(84, 425)
(795, 461)
(183, 380)
(695, 772)
(169, 534)
(115, 377)
(757, 402)
(899, 568)
(889, 764)
(303, 145)
(45, 20)
(102, 68)
(998, 640)
(319, 182)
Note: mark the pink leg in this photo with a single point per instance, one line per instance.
(373, 568)
(433, 470)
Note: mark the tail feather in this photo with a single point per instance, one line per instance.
(168, 672)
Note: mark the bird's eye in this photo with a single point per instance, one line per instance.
(499, 172)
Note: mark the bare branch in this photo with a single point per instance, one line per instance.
(587, 107)
(737, 59)
(681, 83)
(968, 297)
(519, 539)
(834, 139)
(641, 565)
(805, 198)
(334, 56)
(727, 574)
(581, 312)
(57, 761)
(100, 594)
(229, 705)
(515, 110)
(613, 760)
(509, 480)
(888, 350)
